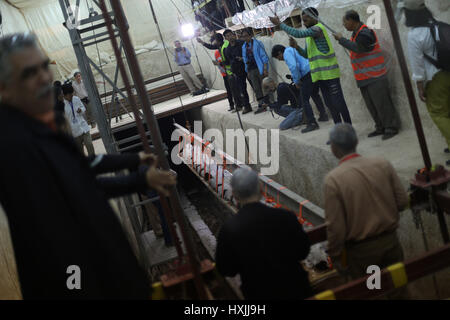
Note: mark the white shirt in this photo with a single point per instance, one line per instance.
(80, 89)
(77, 122)
(420, 42)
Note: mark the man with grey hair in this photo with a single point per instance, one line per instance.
(261, 243)
(68, 242)
(363, 198)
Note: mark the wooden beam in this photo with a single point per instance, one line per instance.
(416, 268)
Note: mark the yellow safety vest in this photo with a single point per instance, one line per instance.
(324, 66)
(226, 43)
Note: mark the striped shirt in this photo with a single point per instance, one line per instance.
(314, 31)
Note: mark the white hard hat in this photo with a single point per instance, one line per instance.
(411, 4)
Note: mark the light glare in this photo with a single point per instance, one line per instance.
(187, 30)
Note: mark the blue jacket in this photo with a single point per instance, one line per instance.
(259, 53)
(298, 65)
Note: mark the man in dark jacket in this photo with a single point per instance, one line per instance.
(218, 44)
(264, 245)
(233, 56)
(58, 213)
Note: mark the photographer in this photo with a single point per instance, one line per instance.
(81, 92)
(183, 60)
(284, 104)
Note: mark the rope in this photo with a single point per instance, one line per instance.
(168, 61)
(98, 52)
(195, 51)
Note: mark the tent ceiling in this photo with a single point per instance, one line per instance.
(21, 4)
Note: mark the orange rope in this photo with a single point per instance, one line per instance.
(300, 211)
(223, 173)
(279, 205)
(217, 178)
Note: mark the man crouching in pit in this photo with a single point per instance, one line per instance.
(264, 245)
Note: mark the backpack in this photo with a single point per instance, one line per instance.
(440, 32)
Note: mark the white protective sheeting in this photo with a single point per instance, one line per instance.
(259, 17)
(13, 20)
(45, 18)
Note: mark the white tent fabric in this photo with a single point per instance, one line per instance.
(13, 20)
(45, 18)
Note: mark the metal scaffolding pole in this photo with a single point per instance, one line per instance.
(415, 114)
(111, 145)
(150, 118)
(89, 79)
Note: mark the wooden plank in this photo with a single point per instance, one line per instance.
(415, 268)
(443, 199)
(9, 278)
(165, 76)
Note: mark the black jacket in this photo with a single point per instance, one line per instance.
(232, 53)
(119, 185)
(58, 217)
(265, 246)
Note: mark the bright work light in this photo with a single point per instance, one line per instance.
(188, 30)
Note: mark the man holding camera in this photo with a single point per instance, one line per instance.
(81, 92)
(183, 60)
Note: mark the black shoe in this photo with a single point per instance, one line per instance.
(231, 109)
(389, 135)
(323, 118)
(247, 110)
(236, 109)
(375, 133)
(310, 127)
(447, 150)
(260, 110)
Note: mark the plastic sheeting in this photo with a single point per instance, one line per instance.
(45, 18)
(258, 18)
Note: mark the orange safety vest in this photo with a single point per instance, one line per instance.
(219, 59)
(368, 65)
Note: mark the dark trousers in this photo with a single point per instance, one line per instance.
(255, 79)
(239, 87)
(164, 226)
(317, 99)
(379, 102)
(334, 99)
(306, 87)
(229, 92)
(383, 251)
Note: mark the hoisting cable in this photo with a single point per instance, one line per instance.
(91, 13)
(140, 125)
(168, 61)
